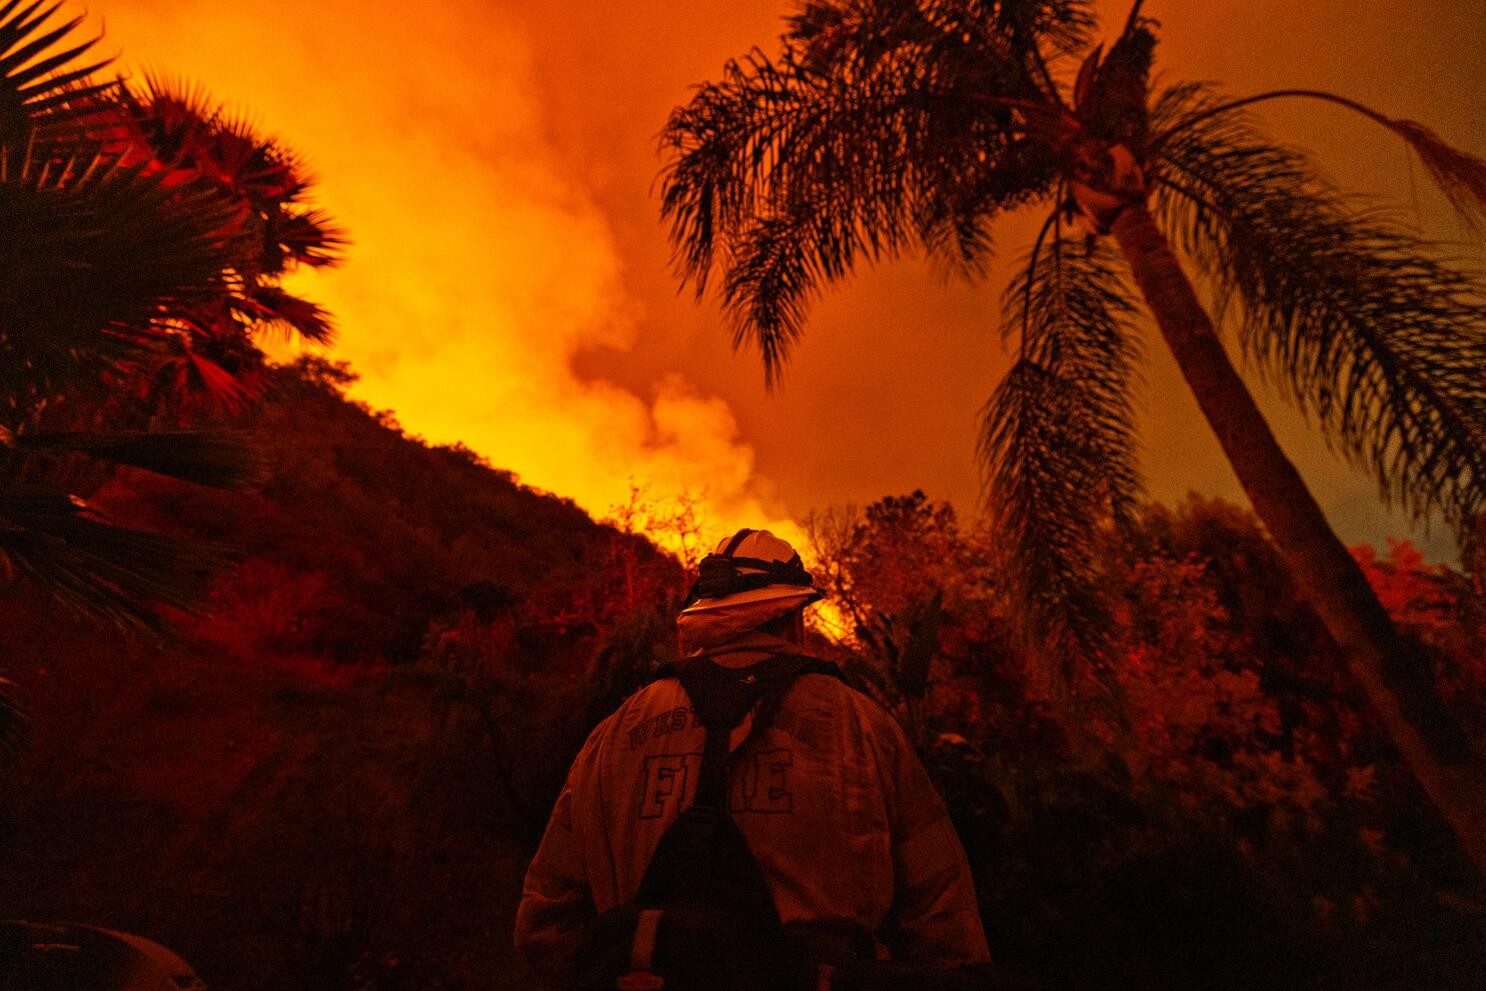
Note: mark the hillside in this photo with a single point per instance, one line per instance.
(327, 761)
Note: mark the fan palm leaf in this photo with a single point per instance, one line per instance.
(42, 76)
(94, 255)
(101, 571)
(102, 253)
(217, 458)
(178, 128)
(182, 127)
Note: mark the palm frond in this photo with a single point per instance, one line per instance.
(181, 125)
(1112, 102)
(853, 140)
(1460, 176)
(184, 126)
(101, 571)
(1359, 323)
(94, 254)
(1058, 445)
(860, 35)
(1024, 37)
(217, 458)
(196, 375)
(272, 307)
(766, 138)
(1067, 26)
(307, 237)
(1064, 27)
(774, 272)
(954, 217)
(40, 70)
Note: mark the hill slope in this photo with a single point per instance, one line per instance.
(335, 777)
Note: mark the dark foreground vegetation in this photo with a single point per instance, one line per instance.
(335, 777)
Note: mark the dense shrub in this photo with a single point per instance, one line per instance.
(1222, 811)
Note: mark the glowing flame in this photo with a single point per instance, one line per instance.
(479, 269)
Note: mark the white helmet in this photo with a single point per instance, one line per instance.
(752, 578)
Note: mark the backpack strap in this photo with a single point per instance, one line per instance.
(722, 696)
(703, 913)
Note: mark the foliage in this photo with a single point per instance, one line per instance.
(1445, 611)
(130, 223)
(676, 523)
(214, 361)
(909, 585)
(1059, 434)
(1350, 313)
(1237, 813)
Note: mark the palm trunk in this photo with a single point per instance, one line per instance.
(1389, 669)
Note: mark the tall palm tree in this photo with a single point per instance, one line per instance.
(887, 126)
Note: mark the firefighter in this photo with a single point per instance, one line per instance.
(855, 844)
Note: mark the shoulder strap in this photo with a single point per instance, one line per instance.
(722, 696)
(696, 846)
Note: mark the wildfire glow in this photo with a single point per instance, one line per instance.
(489, 260)
(478, 268)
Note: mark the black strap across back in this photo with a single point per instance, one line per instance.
(722, 696)
(697, 856)
(704, 917)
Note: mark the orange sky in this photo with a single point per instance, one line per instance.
(507, 286)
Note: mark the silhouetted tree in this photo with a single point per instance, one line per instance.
(885, 126)
(111, 255)
(897, 573)
(215, 359)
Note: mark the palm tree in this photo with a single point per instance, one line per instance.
(103, 256)
(216, 361)
(888, 126)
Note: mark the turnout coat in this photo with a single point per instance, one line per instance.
(831, 798)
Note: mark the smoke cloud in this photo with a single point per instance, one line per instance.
(479, 267)
(508, 284)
